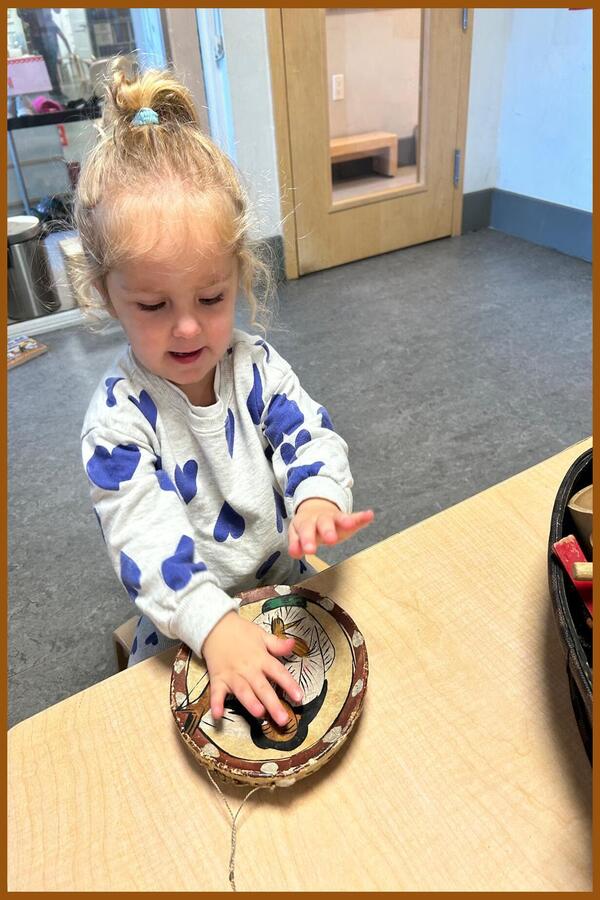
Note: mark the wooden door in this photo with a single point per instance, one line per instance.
(330, 221)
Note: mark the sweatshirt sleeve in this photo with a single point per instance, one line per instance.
(309, 458)
(149, 537)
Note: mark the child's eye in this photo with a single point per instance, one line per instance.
(211, 301)
(151, 308)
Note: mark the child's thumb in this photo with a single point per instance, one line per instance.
(280, 646)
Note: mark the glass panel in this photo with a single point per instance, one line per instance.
(57, 58)
(374, 89)
(69, 42)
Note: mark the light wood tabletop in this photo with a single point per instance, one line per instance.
(465, 772)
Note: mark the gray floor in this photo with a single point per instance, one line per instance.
(447, 367)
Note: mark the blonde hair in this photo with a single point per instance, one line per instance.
(133, 169)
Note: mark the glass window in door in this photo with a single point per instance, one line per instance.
(374, 80)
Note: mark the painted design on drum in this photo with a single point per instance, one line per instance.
(313, 656)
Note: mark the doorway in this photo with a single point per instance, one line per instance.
(370, 115)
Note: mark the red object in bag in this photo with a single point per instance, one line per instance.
(569, 552)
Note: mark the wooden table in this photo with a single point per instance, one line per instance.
(466, 771)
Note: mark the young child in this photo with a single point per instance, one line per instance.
(211, 470)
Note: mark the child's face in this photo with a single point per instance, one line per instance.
(178, 314)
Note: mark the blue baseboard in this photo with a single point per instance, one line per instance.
(477, 208)
(548, 224)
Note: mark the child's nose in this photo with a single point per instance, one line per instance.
(186, 326)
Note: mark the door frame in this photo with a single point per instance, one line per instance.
(276, 49)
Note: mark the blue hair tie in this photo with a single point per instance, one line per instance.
(145, 116)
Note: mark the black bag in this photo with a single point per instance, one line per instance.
(569, 609)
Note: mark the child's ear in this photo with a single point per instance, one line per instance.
(100, 286)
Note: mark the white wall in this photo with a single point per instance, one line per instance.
(245, 38)
(545, 133)
(530, 104)
(491, 32)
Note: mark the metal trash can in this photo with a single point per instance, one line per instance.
(30, 289)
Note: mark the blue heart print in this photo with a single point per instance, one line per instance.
(262, 571)
(229, 524)
(264, 344)
(108, 469)
(255, 401)
(283, 417)
(230, 431)
(298, 474)
(288, 451)
(179, 568)
(152, 638)
(131, 575)
(186, 479)
(164, 481)
(111, 400)
(280, 513)
(325, 418)
(147, 407)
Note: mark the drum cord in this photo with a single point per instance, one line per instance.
(233, 823)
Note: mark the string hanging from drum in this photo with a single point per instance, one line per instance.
(233, 823)
(329, 659)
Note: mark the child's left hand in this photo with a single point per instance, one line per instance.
(319, 521)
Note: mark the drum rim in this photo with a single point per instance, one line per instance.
(291, 769)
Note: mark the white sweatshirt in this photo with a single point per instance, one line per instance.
(194, 502)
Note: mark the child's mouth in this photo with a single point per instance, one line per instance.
(188, 357)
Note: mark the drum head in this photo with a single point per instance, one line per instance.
(329, 660)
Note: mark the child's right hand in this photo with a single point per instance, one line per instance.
(240, 657)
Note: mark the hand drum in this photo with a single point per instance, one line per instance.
(329, 661)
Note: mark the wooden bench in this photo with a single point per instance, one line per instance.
(381, 145)
(124, 634)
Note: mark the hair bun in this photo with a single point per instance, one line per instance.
(128, 92)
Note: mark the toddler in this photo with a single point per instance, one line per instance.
(211, 470)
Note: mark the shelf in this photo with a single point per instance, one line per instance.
(91, 111)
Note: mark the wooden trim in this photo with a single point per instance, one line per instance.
(376, 196)
(461, 118)
(316, 563)
(282, 140)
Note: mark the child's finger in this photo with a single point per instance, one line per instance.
(278, 673)
(306, 534)
(326, 529)
(269, 699)
(351, 522)
(294, 548)
(218, 692)
(245, 694)
(348, 525)
(279, 646)
(348, 520)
